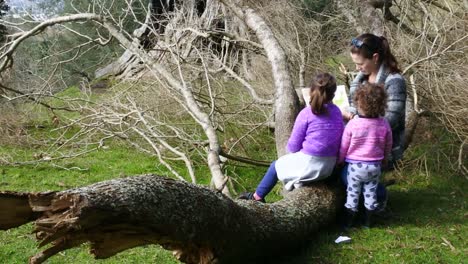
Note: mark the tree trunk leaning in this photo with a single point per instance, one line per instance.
(198, 224)
(286, 99)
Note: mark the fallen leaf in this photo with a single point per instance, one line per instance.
(448, 243)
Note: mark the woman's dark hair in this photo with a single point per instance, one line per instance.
(371, 98)
(322, 91)
(367, 44)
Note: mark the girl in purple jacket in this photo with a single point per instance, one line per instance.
(313, 145)
(366, 144)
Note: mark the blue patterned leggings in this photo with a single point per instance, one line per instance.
(362, 176)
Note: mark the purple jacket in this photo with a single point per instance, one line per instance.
(317, 135)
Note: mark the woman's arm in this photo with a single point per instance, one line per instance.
(347, 116)
(345, 142)
(388, 143)
(352, 90)
(395, 86)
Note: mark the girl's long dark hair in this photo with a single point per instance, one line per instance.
(367, 44)
(322, 91)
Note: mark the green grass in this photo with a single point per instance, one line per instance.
(427, 212)
(18, 244)
(424, 217)
(97, 166)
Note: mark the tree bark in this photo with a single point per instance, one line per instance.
(200, 225)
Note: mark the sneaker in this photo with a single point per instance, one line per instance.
(249, 196)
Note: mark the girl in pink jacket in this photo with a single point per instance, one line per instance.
(365, 145)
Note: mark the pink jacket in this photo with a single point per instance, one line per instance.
(366, 139)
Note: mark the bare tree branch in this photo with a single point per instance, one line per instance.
(286, 100)
(17, 38)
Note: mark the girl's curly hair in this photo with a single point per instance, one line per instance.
(371, 99)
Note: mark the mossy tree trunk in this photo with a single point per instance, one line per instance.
(200, 225)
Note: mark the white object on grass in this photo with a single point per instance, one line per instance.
(342, 239)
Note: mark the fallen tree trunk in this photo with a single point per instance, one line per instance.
(200, 225)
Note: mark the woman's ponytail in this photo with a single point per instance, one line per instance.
(387, 57)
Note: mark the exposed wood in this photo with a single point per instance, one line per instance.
(128, 61)
(388, 15)
(346, 10)
(363, 16)
(369, 16)
(373, 18)
(18, 210)
(199, 224)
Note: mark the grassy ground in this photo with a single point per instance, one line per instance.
(428, 224)
(428, 216)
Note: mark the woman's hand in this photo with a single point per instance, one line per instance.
(347, 115)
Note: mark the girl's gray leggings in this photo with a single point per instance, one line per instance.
(362, 176)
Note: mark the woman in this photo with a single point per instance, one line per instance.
(313, 145)
(376, 64)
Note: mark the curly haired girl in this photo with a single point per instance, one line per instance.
(365, 145)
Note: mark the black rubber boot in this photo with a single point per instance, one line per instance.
(350, 215)
(368, 218)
